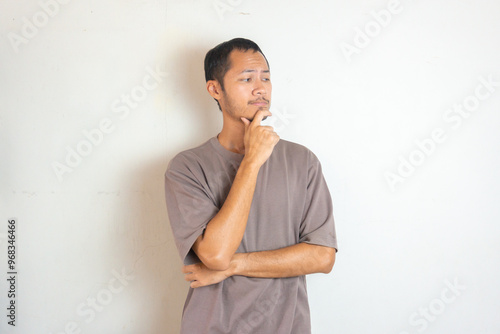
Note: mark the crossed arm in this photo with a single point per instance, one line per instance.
(216, 247)
(295, 260)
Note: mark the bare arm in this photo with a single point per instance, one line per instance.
(296, 260)
(223, 234)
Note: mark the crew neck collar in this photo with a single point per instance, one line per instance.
(233, 156)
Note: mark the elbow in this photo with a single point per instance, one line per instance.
(213, 258)
(328, 260)
(216, 262)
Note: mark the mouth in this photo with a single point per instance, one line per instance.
(259, 103)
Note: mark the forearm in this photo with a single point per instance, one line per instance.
(223, 234)
(296, 260)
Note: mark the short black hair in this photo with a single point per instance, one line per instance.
(217, 61)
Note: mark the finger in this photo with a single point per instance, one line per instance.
(259, 116)
(267, 128)
(189, 268)
(245, 121)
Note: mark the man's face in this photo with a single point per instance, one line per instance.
(247, 85)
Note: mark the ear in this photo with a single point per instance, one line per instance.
(214, 89)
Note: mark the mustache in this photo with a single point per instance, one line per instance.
(259, 100)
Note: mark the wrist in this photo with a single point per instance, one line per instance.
(249, 165)
(236, 265)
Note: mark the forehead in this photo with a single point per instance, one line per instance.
(247, 60)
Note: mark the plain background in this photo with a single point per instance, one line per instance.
(401, 246)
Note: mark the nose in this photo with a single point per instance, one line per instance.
(259, 88)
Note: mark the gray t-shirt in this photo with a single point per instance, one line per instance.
(291, 204)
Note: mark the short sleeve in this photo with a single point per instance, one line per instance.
(189, 206)
(317, 225)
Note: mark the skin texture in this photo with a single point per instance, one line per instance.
(245, 102)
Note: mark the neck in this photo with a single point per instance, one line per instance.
(231, 136)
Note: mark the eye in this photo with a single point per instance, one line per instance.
(246, 79)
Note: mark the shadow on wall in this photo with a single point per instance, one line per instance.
(146, 245)
(157, 261)
(167, 261)
(189, 91)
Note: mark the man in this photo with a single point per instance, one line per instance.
(251, 213)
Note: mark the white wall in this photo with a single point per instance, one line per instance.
(361, 104)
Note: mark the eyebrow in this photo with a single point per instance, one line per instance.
(248, 70)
